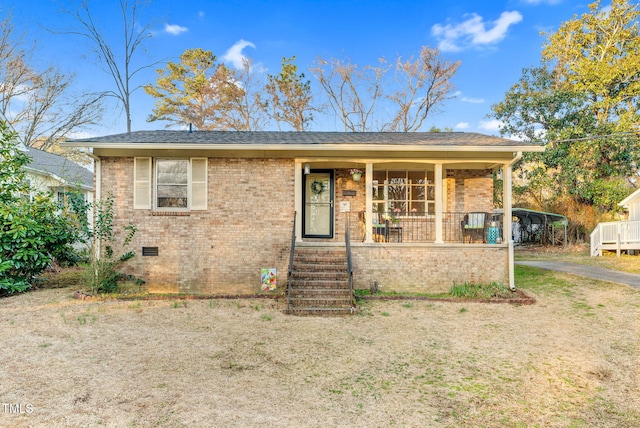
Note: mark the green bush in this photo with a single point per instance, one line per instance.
(32, 234)
(32, 231)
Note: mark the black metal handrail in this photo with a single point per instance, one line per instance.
(347, 240)
(290, 272)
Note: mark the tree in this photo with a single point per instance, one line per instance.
(582, 102)
(290, 96)
(357, 95)
(352, 92)
(120, 67)
(197, 91)
(249, 113)
(423, 86)
(39, 103)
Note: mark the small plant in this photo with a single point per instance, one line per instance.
(83, 318)
(266, 317)
(103, 275)
(479, 291)
(385, 314)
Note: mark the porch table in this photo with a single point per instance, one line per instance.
(385, 231)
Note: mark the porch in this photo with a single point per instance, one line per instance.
(420, 227)
(405, 203)
(615, 236)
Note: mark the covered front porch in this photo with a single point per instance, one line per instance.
(402, 202)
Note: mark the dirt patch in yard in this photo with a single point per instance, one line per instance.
(572, 359)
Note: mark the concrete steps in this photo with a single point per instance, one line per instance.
(319, 284)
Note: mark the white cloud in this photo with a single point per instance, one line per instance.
(490, 125)
(234, 54)
(175, 29)
(472, 100)
(474, 31)
(201, 14)
(462, 125)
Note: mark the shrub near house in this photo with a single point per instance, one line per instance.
(32, 232)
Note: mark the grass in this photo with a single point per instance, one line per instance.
(460, 291)
(569, 360)
(480, 291)
(609, 260)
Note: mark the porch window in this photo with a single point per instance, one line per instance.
(403, 192)
(179, 184)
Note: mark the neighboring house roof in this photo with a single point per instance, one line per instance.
(62, 169)
(629, 199)
(437, 141)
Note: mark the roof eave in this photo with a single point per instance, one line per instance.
(56, 177)
(629, 198)
(298, 147)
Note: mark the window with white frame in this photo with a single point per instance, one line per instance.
(403, 192)
(170, 184)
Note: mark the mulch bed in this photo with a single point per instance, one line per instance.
(521, 299)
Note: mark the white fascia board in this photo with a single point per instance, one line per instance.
(629, 198)
(298, 147)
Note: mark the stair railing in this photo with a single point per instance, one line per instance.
(347, 240)
(290, 272)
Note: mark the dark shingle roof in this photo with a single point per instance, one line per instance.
(458, 139)
(50, 163)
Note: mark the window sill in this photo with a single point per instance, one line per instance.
(171, 213)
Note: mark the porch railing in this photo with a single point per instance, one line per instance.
(291, 251)
(617, 233)
(418, 227)
(347, 240)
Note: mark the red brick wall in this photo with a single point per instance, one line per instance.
(428, 268)
(247, 226)
(469, 191)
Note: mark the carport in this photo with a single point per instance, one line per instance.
(541, 227)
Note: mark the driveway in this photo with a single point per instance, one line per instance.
(587, 271)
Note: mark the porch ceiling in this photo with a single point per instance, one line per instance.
(428, 165)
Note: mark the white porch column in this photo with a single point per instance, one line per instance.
(507, 220)
(368, 225)
(439, 203)
(297, 192)
(507, 225)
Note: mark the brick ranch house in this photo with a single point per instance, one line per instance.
(215, 208)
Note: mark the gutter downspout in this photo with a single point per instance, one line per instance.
(98, 184)
(508, 215)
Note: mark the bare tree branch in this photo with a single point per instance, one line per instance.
(424, 85)
(352, 92)
(39, 104)
(119, 68)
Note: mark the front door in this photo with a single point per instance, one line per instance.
(318, 204)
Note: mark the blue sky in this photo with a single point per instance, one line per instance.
(494, 40)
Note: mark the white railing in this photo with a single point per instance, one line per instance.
(618, 233)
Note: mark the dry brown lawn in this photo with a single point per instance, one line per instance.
(570, 360)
